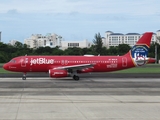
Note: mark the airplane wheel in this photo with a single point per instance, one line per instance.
(23, 78)
(76, 78)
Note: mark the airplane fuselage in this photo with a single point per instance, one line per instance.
(44, 63)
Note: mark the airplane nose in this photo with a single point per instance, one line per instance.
(5, 66)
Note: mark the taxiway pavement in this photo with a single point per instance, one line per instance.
(87, 99)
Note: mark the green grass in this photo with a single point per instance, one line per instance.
(1, 64)
(140, 70)
(5, 71)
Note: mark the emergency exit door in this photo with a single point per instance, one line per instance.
(124, 62)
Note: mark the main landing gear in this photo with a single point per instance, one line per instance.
(24, 76)
(75, 77)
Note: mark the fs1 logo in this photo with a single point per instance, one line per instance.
(139, 54)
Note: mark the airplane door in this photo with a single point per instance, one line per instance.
(124, 62)
(24, 60)
(62, 62)
(66, 62)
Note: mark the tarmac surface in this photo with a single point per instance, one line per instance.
(87, 75)
(90, 98)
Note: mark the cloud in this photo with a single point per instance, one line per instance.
(135, 7)
(13, 11)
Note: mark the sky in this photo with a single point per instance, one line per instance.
(76, 19)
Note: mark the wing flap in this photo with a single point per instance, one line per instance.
(80, 66)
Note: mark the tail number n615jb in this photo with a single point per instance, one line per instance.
(137, 56)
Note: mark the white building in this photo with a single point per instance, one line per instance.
(12, 42)
(114, 39)
(38, 40)
(158, 33)
(81, 44)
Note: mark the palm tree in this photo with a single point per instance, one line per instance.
(98, 44)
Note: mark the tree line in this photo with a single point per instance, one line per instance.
(7, 52)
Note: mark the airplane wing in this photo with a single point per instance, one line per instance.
(75, 67)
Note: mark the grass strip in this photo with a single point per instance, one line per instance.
(5, 71)
(140, 70)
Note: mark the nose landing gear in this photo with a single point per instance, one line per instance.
(24, 76)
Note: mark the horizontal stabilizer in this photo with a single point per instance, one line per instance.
(148, 60)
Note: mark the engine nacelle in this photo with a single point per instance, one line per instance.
(58, 73)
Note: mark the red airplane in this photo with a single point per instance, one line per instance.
(64, 66)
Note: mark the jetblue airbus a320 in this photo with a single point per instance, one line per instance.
(64, 66)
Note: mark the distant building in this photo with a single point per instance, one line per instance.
(53, 40)
(110, 39)
(158, 33)
(38, 40)
(114, 39)
(80, 44)
(12, 42)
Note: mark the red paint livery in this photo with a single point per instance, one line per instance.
(63, 66)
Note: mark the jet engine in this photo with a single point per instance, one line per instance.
(58, 73)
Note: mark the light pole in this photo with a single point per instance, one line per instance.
(155, 52)
(59, 41)
(157, 43)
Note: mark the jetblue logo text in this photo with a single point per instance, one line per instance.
(41, 61)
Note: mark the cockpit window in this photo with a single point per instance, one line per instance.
(12, 61)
